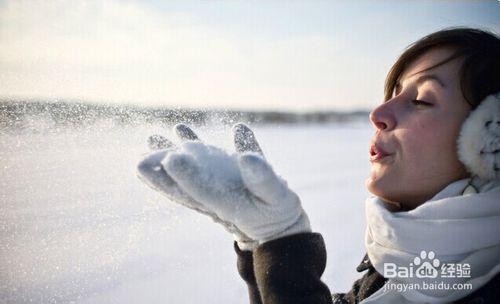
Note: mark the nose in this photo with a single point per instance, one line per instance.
(382, 117)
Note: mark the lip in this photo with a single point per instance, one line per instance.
(377, 153)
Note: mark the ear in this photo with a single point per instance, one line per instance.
(479, 140)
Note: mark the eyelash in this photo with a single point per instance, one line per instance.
(420, 102)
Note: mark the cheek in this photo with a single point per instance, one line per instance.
(419, 146)
(430, 150)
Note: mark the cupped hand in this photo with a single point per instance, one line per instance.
(239, 190)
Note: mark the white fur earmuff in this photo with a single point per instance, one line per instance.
(479, 140)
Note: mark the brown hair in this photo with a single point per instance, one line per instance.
(480, 71)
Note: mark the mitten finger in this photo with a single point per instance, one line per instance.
(244, 139)
(185, 133)
(158, 142)
(186, 172)
(151, 172)
(150, 167)
(260, 179)
(196, 148)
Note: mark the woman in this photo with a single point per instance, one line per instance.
(435, 178)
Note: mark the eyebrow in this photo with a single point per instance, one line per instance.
(422, 79)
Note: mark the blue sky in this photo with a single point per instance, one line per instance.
(280, 55)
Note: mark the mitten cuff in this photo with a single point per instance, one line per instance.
(302, 225)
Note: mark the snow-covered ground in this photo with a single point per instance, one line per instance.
(77, 225)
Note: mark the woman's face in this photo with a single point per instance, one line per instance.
(418, 138)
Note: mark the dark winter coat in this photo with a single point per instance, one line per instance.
(288, 270)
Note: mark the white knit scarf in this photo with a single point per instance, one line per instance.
(459, 229)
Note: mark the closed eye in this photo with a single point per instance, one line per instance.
(421, 102)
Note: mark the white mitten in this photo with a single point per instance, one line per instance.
(240, 190)
(151, 172)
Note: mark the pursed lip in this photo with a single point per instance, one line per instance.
(377, 153)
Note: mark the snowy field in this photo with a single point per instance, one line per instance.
(77, 225)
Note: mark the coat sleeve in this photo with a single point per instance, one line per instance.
(245, 269)
(289, 269)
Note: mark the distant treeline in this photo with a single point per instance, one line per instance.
(17, 114)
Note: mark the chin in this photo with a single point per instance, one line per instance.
(375, 184)
(388, 194)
